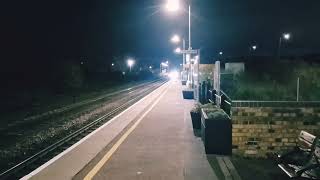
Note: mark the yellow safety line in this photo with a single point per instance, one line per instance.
(107, 156)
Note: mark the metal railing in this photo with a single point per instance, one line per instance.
(244, 103)
(226, 102)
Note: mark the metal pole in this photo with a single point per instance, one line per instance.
(279, 47)
(198, 75)
(298, 88)
(198, 67)
(184, 55)
(189, 27)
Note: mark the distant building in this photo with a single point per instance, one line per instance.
(235, 67)
(206, 72)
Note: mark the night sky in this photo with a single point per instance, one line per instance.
(39, 30)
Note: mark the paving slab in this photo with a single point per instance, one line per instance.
(163, 145)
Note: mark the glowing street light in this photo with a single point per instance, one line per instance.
(177, 50)
(130, 63)
(164, 64)
(220, 53)
(285, 36)
(175, 39)
(112, 64)
(173, 5)
(254, 47)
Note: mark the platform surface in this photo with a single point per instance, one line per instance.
(156, 142)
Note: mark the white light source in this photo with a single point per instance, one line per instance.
(112, 64)
(195, 61)
(150, 67)
(188, 58)
(173, 5)
(130, 63)
(177, 50)
(254, 47)
(286, 36)
(220, 53)
(173, 75)
(175, 39)
(164, 64)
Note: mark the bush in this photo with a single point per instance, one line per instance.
(196, 108)
(218, 115)
(213, 112)
(208, 106)
(274, 81)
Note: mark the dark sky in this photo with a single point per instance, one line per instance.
(141, 28)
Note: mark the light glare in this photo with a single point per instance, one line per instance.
(173, 5)
(175, 39)
(173, 75)
(130, 62)
(254, 47)
(178, 50)
(164, 64)
(286, 36)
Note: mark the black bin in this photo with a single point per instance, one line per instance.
(187, 94)
(216, 134)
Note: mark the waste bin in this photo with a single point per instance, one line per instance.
(187, 94)
(216, 132)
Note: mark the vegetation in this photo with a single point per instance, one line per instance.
(196, 108)
(213, 112)
(64, 81)
(274, 81)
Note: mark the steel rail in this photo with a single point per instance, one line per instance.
(80, 132)
(75, 105)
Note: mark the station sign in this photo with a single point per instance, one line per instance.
(189, 51)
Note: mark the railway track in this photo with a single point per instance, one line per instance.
(72, 106)
(38, 158)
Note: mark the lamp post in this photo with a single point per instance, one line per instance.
(130, 63)
(176, 39)
(173, 6)
(285, 36)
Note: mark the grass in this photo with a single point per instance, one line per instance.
(276, 83)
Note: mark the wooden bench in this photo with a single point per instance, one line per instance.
(303, 160)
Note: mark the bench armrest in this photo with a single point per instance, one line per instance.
(306, 168)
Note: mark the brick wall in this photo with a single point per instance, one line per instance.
(258, 131)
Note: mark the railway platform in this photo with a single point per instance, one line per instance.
(153, 139)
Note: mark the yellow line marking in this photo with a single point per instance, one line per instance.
(107, 156)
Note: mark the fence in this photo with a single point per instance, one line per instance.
(240, 103)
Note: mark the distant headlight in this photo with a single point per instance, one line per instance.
(173, 75)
